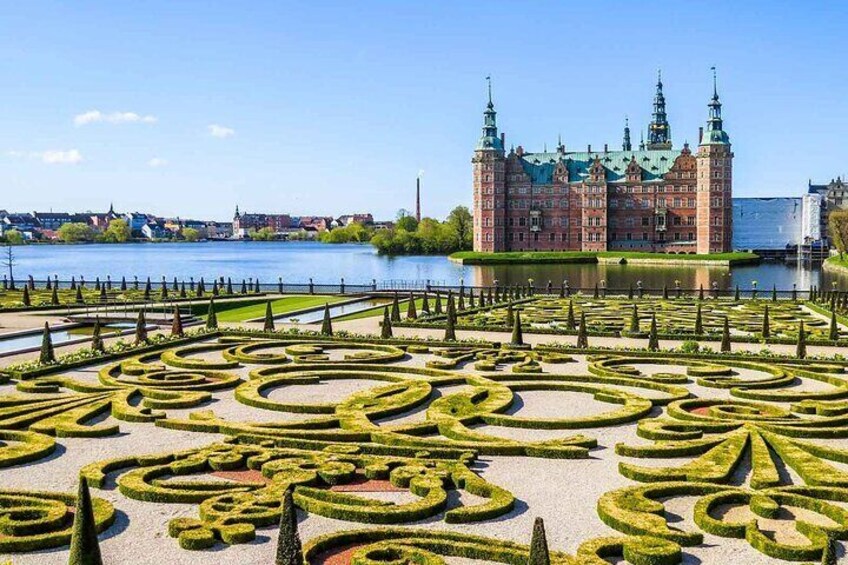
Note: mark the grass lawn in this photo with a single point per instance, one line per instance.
(278, 306)
(378, 310)
(530, 257)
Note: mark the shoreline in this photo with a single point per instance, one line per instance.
(603, 258)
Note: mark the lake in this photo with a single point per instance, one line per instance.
(359, 264)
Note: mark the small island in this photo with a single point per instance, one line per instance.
(602, 257)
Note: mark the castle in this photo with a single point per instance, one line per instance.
(655, 198)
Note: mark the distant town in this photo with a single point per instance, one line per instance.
(113, 226)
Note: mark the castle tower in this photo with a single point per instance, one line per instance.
(659, 131)
(626, 145)
(489, 184)
(715, 183)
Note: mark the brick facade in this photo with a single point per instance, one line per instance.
(654, 199)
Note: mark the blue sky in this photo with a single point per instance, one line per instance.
(187, 108)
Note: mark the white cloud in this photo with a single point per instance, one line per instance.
(157, 162)
(51, 156)
(54, 157)
(219, 131)
(96, 116)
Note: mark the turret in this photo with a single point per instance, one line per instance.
(490, 139)
(489, 182)
(625, 145)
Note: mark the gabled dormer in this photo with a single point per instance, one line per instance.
(597, 172)
(633, 171)
(561, 173)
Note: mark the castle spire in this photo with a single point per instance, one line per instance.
(237, 212)
(659, 131)
(625, 145)
(490, 138)
(715, 134)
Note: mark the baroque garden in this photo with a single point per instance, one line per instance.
(440, 427)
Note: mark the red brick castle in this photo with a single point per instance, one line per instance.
(655, 198)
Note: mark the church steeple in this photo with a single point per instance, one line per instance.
(625, 145)
(659, 131)
(715, 134)
(490, 139)
(237, 213)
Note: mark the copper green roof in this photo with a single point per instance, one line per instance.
(654, 163)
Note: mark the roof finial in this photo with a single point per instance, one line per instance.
(659, 77)
(489, 80)
(715, 83)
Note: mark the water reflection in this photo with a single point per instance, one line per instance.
(359, 264)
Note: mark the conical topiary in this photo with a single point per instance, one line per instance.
(774, 293)
(665, 292)
(653, 339)
(85, 549)
(517, 337)
(736, 295)
(211, 317)
(243, 286)
(510, 315)
(25, 298)
(183, 290)
(269, 318)
(386, 327)
(539, 545)
(766, 331)
(582, 335)
(801, 346)
(326, 324)
(103, 296)
(437, 307)
(725, 336)
(96, 340)
(450, 322)
(425, 305)
(289, 549)
(701, 293)
(54, 298)
(395, 314)
(834, 327)
(569, 321)
(47, 355)
(596, 294)
(140, 328)
(177, 322)
(699, 322)
(79, 298)
(411, 312)
(634, 320)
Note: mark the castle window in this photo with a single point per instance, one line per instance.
(521, 236)
(677, 203)
(563, 203)
(691, 236)
(645, 235)
(629, 236)
(551, 236)
(522, 222)
(677, 236)
(646, 221)
(677, 221)
(690, 220)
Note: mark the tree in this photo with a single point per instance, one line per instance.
(96, 340)
(9, 263)
(177, 322)
(837, 227)
(766, 327)
(801, 346)
(14, 237)
(211, 317)
(539, 545)
(118, 231)
(653, 339)
(47, 355)
(190, 234)
(75, 232)
(289, 549)
(386, 327)
(269, 318)
(517, 337)
(262, 234)
(582, 335)
(834, 327)
(407, 223)
(461, 224)
(85, 549)
(327, 324)
(725, 336)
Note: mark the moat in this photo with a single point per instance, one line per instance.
(299, 261)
